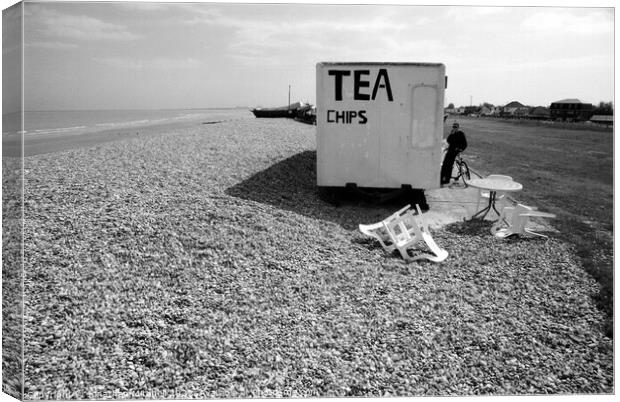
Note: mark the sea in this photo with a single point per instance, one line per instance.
(89, 121)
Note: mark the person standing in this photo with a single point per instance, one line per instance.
(456, 144)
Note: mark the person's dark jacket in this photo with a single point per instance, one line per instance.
(457, 141)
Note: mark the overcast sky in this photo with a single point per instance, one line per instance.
(150, 55)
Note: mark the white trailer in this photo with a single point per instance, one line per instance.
(380, 125)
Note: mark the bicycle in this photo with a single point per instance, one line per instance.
(462, 170)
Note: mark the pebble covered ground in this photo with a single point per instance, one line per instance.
(202, 263)
(12, 278)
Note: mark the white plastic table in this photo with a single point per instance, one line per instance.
(493, 185)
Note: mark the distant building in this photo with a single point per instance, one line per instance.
(570, 110)
(485, 111)
(496, 110)
(539, 113)
(489, 111)
(515, 109)
(602, 119)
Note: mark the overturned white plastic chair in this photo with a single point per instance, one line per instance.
(514, 220)
(406, 232)
(500, 196)
(377, 230)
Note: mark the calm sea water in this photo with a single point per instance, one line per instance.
(88, 121)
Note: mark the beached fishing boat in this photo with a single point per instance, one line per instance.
(283, 111)
(293, 110)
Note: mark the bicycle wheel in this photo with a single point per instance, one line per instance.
(465, 170)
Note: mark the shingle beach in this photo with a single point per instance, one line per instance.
(200, 262)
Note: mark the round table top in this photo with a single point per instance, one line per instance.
(495, 184)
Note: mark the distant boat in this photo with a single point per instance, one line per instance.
(282, 111)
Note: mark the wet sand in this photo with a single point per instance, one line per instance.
(49, 143)
(43, 143)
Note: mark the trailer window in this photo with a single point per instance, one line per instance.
(423, 116)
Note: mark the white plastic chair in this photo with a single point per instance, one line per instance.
(406, 232)
(500, 196)
(515, 220)
(377, 230)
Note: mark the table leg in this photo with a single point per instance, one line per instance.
(494, 195)
(483, 212)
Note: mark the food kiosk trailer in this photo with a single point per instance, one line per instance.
(380, 125)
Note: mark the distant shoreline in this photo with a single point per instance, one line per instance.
(92, 133)
(60, 142)
(135, 110)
